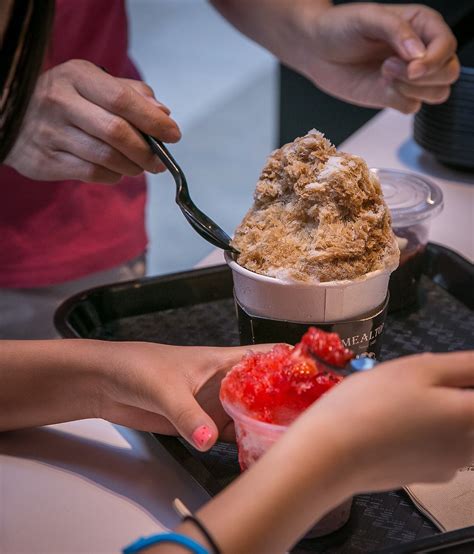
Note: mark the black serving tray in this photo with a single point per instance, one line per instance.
(196, 308)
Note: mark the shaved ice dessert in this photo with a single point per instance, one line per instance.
(267, 391)
(275, 387)
(318, 215)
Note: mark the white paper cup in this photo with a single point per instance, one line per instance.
(333, 301)
(254, 438)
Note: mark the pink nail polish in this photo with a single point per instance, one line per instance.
(201, 436)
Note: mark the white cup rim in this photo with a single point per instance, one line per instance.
(234, 266)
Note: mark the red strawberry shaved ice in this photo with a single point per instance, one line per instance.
(276, 386)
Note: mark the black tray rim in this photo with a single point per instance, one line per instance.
(433, 251)
(66, 307)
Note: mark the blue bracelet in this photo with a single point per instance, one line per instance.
(175, 538)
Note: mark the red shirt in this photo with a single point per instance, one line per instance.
(52, 232)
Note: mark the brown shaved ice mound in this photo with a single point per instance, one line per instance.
(318, 215)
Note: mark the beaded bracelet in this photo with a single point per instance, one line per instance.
(176, 538)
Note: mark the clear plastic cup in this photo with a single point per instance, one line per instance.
(254, 438)
(413, 201)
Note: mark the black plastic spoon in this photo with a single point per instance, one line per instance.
(198, 220)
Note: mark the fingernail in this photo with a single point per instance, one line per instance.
(158, 166)
(159, 169)
(416, 70)
(163, 107)
(414, 48)
(394, 67)
(173, 134)
(201, 436)
(158, 104)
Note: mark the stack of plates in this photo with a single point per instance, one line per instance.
(447, 130)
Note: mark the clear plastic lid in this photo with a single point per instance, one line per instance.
(411, 198)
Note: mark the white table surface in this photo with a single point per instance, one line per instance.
(92, 487)
(86, 487)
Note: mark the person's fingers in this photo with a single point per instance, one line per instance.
(141, 87)
(70, 167)
(114, 131)
(396, 68)
(189, 419)
(224, 358)
(379, 23)
(439, 41)
(455, 369)
(139, 419)
(91, 149)
(124, 101)
(392, 98)
(462, 408)
(428, 94)
(147, 92)
(186, 412)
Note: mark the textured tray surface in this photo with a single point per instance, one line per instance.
(440, 323)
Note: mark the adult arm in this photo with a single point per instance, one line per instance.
(365, 53)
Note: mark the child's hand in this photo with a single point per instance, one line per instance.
(410, 420)
(169, 389)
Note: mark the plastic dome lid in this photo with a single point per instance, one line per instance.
(411, 198)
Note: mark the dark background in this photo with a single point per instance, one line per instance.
(303, 106)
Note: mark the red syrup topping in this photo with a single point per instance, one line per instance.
(278, 385)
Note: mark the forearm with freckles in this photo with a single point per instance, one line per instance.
(280, 26)
(45, 382)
